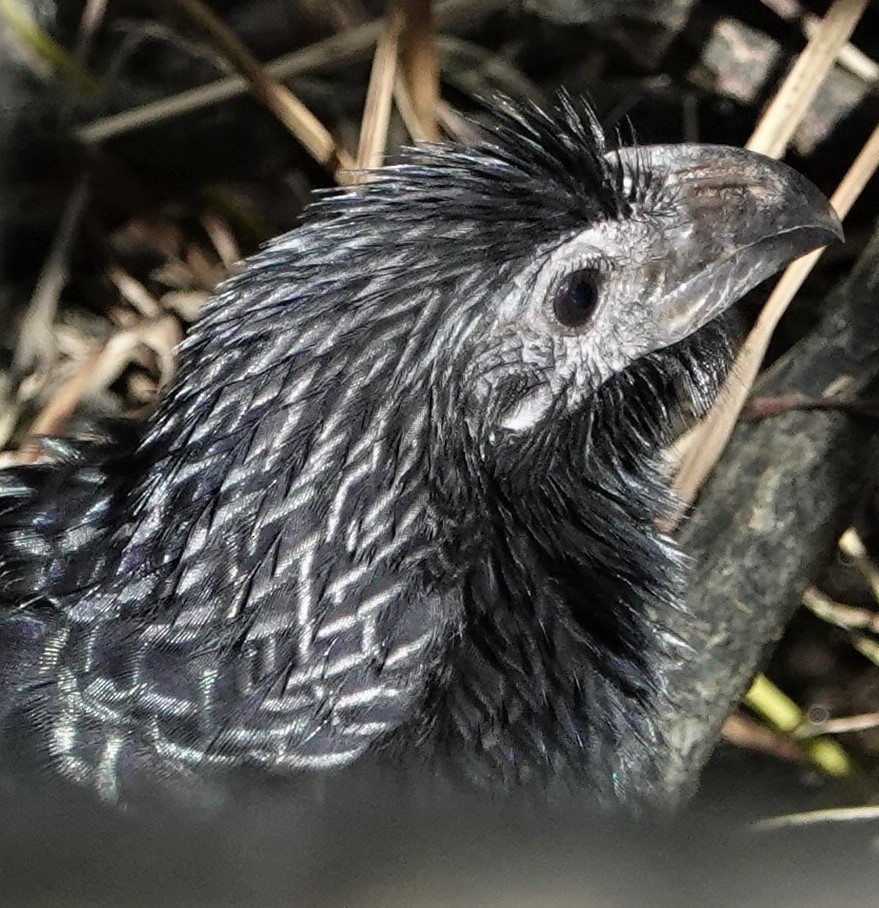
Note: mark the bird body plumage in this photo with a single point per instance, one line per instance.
(326, 541)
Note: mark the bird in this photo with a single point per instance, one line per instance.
(403, 496)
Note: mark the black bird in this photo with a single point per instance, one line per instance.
(403, 494)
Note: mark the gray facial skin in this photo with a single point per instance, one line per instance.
(713, 223)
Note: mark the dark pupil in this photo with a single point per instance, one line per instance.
(577, 298)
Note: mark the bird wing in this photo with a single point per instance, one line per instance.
(322, 692)
(263, 645)
(150, 701)
(297, 633)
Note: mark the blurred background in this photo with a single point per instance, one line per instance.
(146, 147)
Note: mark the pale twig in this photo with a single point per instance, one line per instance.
(222, 239)
(852, 546)
(850, 57)
(815, 817)
(89, 22)
(406, 109)
(338, 50)
(100, 369)
(747, 733)
(456, 125)
(289, 110)
(781, 119)
(379, 94)
(708, 441)
(847, 617)
(418, 62)
(842, 725)
(34, 349)
(831, 612)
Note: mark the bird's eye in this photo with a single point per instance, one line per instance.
(577, 298)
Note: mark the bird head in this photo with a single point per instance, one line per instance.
(457, 319)
(693, 229)
(527, 271)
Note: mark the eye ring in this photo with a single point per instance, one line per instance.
(577, 298)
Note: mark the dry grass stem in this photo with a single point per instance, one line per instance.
(847, 617)
(745, 732)
(850, 57)
(406, 109)
(710, 438)
(290, 111)
(851, 545)
(100, 369)
(841, 726)
(346, 47)
(35, 348)
(419, 64)
(134, 292)
(380, 93)
(816, 817)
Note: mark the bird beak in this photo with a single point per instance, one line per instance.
(733, 217)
